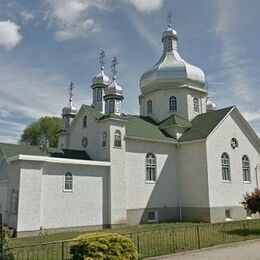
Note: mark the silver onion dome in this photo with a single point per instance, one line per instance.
(101, 78)
(210, 105)
(171, 70)
(114, 89)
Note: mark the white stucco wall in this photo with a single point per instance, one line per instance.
(229, 193)
(160, 101)
(44, 203)
(164, 191)
(117, 175)
(193, 174)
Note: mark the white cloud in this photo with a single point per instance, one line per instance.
(147, 6)
(27, 16)
(9, 34)
(252, 116)
(70, 18)
(234, 60)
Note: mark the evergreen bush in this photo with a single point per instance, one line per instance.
(108, 246)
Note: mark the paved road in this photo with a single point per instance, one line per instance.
(249, 250)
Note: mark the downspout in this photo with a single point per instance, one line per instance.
(179, 182)
(256, 175)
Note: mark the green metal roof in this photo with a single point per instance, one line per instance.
(10, 150)
(204, 124)
(145, 127)
(94, 112)
(175, 120)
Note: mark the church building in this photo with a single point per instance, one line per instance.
(181, 159)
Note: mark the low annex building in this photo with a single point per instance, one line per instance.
(180, 159)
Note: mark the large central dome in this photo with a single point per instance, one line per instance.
(171, 70)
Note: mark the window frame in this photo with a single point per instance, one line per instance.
(85, 121)
(225, 167)
(111, 106)
(104, 139)
(228, 215)
(246, 169)
(149, 107)
(150, 168)
(99, 94)
(118, 139)
(68, 182)
(196, 105)
(172, 104)
(156, 217)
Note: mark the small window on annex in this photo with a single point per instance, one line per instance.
(152, 216)
(228, 215)
(172, 104)
(246, 169)
(68, 181)
(104, 139)
(196, 105)
(225, 165)
(150, 167)
(149, 107)
(14, 201)
(117, 142)
(85, 121)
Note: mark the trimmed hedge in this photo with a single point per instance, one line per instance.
(107, 246)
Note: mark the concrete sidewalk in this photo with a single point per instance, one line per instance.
(249, 250)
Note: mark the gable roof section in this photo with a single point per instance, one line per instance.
(10, 150)
(175, 120)
(94, 112)
(204, 124)
(146, 128)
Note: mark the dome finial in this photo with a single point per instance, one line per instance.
(113, 67)
(71, 87)
(102, 59)
(169, 19)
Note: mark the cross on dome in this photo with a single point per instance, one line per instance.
(113, 67)
(169, 19)
(102, 59)
(71, 87)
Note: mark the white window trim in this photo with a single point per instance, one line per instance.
(68, 190)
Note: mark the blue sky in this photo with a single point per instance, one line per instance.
(44, 45)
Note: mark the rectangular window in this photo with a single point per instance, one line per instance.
(14, 202)
(99, 94)
(228, 214)
(152, 216)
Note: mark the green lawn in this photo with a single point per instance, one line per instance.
(151, 240)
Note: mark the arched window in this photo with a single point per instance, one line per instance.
(117, 142)
(173, 104)
(104, 139)
(111, 106)
(85, 121)
(196, 105)
(225, 165)
(149, 107)
(246, 169)
(68, 181)
(150, 165)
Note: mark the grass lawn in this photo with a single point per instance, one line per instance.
(23, 241)
(151, 240)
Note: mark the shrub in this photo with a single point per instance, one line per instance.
(6, 244)
(107, 246)
(252, 201)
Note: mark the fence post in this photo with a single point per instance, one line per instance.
(138, 244)
(198, 236)
(62, 250)
(1, 238)
(244, 230)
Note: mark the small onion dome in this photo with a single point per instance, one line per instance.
(69, 110)
(101, 78)
(210, 105)
(171, 70)
(114, 89)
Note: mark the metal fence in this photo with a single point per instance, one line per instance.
(1, 237)
(156, 242)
